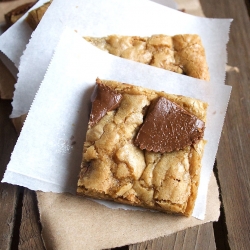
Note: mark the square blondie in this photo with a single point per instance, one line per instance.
(143, 148)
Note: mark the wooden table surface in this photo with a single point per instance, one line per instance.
(19, 217)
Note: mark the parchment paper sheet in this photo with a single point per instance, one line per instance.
(101, 18)
(13, 41)
(74, 223)
(48, 152)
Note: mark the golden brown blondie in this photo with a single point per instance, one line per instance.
(182, 53)
(143, 148)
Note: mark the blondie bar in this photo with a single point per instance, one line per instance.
(182, 54)
(143, 148)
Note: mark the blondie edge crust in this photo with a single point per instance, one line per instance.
(114, 168)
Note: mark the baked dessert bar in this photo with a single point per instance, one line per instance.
(143, 148)
(182, 54)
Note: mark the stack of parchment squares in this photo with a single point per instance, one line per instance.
(125, 111)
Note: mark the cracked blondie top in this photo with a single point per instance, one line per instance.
(116, 166)
(182, 54)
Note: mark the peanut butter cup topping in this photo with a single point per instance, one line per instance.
(105, 100)
(168, 127)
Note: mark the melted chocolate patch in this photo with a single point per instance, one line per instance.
(168, 127)
(105, 100)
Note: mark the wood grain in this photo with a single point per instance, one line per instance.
(8, 193)
(30, 229)
(233, 156)
(8, 203)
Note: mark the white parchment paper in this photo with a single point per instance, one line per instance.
(105, 17)
(48, 153)
(14, 40)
